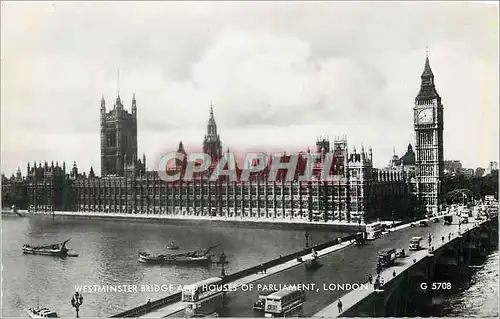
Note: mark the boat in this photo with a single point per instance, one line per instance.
(313, 264)
(174, 259)
(49, 250)
(197, 257)
(41, 313)
(172, 246)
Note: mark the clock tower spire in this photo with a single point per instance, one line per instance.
(428, 124)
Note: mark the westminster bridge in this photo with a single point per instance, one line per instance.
(453, 247)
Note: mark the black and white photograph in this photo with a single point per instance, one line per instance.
(249, 159)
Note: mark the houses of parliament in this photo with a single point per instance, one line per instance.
(359, 193)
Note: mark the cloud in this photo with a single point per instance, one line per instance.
(278, 75)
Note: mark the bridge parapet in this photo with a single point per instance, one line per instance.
(417, 274)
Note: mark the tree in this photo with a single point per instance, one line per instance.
(477, 186)
(479, 172)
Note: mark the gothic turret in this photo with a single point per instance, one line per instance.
(134, 105)
(118, 103)
(103, 104)
(212, 144)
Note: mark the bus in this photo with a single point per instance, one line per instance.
(386, 258)
(203, 298)
(284, 303)
(373, 231)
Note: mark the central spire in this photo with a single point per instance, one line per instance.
(212, 144)
(427, 69)
(427, 89)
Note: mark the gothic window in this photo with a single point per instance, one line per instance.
(110, 139)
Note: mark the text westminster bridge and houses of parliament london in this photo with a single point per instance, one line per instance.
(357, 193)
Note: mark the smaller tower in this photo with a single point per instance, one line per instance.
(212, 144)
(134, 106)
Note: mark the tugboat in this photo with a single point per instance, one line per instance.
(58, 250)
(313, 264)
(172, 245)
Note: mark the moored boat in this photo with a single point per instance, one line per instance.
(49, 250)
(41, 313)
(173, 259)
(198, 257)
(172, 246)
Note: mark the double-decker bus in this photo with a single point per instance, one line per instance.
(203, 298)
(284, 303)
(373, 231)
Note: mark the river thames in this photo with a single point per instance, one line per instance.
(108, 257)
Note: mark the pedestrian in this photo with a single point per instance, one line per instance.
(394, 273)
(442, 239)
(339, 305)
(370, 279)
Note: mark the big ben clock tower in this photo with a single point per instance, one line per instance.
(428, 122)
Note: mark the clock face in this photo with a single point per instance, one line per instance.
(425, 116)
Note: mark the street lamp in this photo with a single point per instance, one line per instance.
(76, 302)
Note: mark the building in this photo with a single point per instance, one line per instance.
(493, 166)
(356, 191)
(14, 190)
(452, 167)
(118, 137)
(428, 123)
(407, 161)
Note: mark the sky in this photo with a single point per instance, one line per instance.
(278, 74)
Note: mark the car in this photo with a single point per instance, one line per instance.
(423, 223)
(436, 220)
(400, 253)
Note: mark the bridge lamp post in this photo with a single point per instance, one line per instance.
(76, 302)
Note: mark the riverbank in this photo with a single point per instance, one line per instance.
(339, 226)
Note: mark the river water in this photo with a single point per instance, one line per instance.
(108, 256)
(479, 297)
